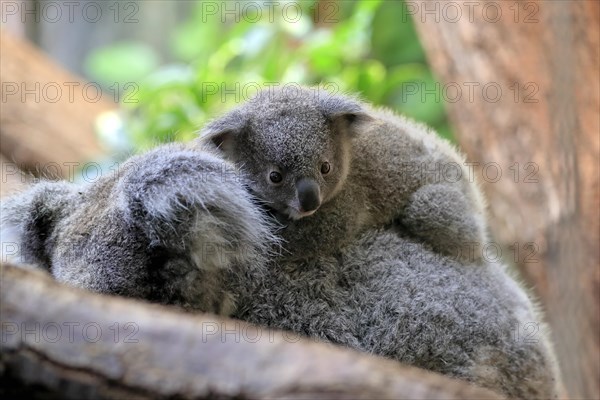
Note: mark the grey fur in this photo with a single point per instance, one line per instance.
(177, 226)
(405, 292)
(390, 295)
(385, 169)
(168, 228)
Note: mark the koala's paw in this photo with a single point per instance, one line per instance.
(190, 201)
(442, 216)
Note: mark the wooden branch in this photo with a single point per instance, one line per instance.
(47, 114)
(62, 340)
(544, 55)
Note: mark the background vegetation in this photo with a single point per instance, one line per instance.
(368, 47)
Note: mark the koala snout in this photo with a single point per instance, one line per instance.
(309, 194)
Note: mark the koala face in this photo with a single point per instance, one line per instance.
(295, 164)
(295, 150)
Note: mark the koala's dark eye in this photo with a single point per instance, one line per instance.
(325, 168)
(275, 177)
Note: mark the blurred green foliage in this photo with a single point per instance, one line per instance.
(369, 47)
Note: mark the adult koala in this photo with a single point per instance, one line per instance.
(178, 226)
(169, 226)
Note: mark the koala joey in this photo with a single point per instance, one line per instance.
(330, 166)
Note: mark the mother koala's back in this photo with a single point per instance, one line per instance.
(412, 305)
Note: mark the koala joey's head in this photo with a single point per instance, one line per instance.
(294, 145)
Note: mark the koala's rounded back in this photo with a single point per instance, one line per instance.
(390, 295)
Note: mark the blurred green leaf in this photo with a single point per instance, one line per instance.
(369, 47)
(122, 62)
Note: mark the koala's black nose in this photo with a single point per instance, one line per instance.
(308, 194)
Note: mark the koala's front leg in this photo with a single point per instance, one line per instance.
(442, 216)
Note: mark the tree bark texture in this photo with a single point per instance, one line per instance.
(542, 134)
(59, 341)
(47, 116)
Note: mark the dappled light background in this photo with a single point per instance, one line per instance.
(174, 65)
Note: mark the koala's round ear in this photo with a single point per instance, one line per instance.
(223, 132)
(346, 114)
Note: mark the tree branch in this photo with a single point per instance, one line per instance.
(62, 340)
